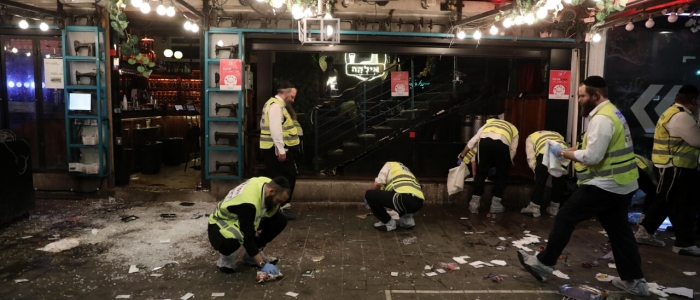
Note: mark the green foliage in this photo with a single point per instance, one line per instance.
(130, 43)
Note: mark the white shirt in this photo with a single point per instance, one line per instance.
(383, 176)
(530, 153)
(682, 125)
(494, 136)
(275, 113)
(599, 134)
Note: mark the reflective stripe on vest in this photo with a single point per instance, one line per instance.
(289, 131)
(618, 162)
(501, 127)
(402, 181)
(300, 131)
(540, 138)
(467, 159)
(673, 149)
(249, 192)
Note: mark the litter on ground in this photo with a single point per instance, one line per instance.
(690, 273)
(560, 274)
(394, 274)
(218, 294)
(133, 269)
(499, 262)
(292, 294)
(604, 277)
(61, 245)
(187, 296)
(461, 259)
(430, 274)
(317, 258)
(21, 280)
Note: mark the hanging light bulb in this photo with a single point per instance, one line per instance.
(277, 3)
(329, 32)
(14, 50)
(145, 8)
(188, 25)
(530, 19)
(649, 23)
(297, 11)
(596, 37)
(194, 28)
(493, 30)
(629, 26)
(518, 20)
(11, 84)
(136, 3)
(168, 53)
(178, 54)
(673, 17)
(220, 43)
(23, 24)
(541, 13)
(170, 11)
(461, 34)
(43, 26)
(477, 34)
(29, 54)
(507, 22)
(328, 16)
(48, 55)
(161, 9)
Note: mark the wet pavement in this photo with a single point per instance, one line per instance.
(353, 260)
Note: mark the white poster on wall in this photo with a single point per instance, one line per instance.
(53, 73)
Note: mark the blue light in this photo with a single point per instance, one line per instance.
(33, 84)
(10, 84)
(697, 72)
(26, 84)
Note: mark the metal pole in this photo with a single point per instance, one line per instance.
(413, 87)
(364, 108)
(316, 133)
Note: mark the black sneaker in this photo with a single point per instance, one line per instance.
(287, 215)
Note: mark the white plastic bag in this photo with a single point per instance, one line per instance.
(455, 179)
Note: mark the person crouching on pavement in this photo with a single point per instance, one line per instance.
(395, 187)
(250, 207)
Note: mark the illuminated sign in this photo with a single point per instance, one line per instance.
(365, 66)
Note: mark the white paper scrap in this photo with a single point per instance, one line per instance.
(560, 274)
(187, 296)
(292, 294)
(612, 266)
(461, 259)
(655, 289)
(427, 267)
(499, 262)
(468, 232)
(94, 231)
(441, 271)
(604, 277)
(133, 269)
(165, 241)
(123, 296)
(501, 238)
(21, 280)
(464, 218)
(681, 291)
(156, 275)
(218, 294)
(690, 273)
(26, 237)
(156, 268)
(394, 274)
(431, 274)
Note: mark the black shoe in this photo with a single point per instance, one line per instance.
(226, 270)
(287, 215)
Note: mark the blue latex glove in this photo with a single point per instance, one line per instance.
(270, 269)
(554, 149)
(459, 160)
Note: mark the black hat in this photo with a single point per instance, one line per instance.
(688, 90)
(595, 81)
(282, 182)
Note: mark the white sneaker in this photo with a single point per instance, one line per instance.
(690, 251)
(227, 264)
(638, 287)
(496, 206)
(532, 209)
(643, 237)
(474, 204)
(553, 208)
(406, 221)
(389, 226)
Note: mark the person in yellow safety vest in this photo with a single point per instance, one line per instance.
(534, 149)
(396, 188)
(251, 207)
(607, 178)
(497, 142)
(675, 152)
(279, 137)
(470, 160)
(647, 183)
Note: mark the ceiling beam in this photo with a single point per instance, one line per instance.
(189, 8)
(483, 15)
(30, 8)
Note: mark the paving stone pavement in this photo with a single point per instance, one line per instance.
(357, 259)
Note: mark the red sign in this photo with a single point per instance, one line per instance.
(399, 84)
(559, 84)
(231, 72)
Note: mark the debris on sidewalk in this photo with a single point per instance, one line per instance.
(480, 264)
(156, 269)
(156, 275)
(526, 231)
(262, 277)
(608, 256)
(317, 258)
(410, 240)
(218, 294)
(499, 262)
(612, 266)
(364, 216)
(441, 271)
(309, 273)
(501, 238)
(501, 248)
(75, 219)
(292, 294)
(464, 218)
(26, 237)
(167, 216)
(461, 259)
(129, 218)
(123, 296)
(55, 237)
(186, 203)
(560, 274)
(133, 269)
(577, 291)
(604, 277)
(94, 231)
(590, 264)
(655, 289)
(187, 296)
(449, 266)
(21, 280)
(165, 241)
(527, 240)
(468, 232)
(428, 267)
(431, 274)
(394, 274)
(61, 245)
(690, 273)
(494, 277)
(680, 291)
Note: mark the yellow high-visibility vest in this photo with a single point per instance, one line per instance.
(673, 149)
(402, 181)
(501, 127)
(618, 162)
(250, 192)
(646, 166)
(289, 131)
(540, 138)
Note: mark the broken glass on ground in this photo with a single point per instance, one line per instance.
(410, 240)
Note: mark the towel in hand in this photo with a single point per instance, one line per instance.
(555, 165)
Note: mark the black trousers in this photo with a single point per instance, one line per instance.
(269, 227)
(403, 204)
(287, 168)
(648, 187)
(611, 210)
(492, 153)
(676, 199)
(541, 176)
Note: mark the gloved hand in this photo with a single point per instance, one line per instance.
(554, 149)
(270, 269)
(459, 160)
